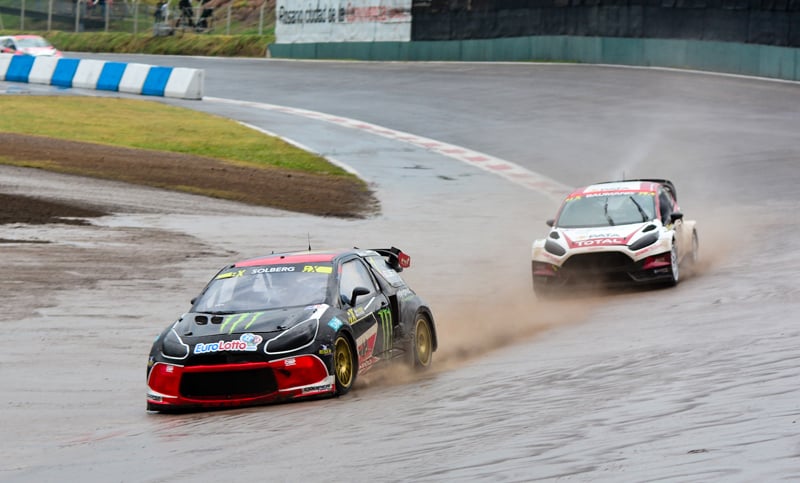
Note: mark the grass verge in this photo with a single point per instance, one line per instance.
(150, 125)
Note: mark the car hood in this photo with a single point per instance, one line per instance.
(601, 236)
(200, 324)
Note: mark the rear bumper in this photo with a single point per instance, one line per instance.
(173, 387)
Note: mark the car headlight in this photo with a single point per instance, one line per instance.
(644, 241)
(173, 347)
(552, 247)
(294, 338)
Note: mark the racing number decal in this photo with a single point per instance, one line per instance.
(386, 325)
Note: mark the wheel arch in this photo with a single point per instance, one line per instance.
(424, 309)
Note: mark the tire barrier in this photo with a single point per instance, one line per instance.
(131, 78)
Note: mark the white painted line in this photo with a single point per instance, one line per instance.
(505, 169)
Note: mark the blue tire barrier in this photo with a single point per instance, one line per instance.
(133, 78)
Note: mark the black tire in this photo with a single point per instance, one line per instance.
(694, 255)
(345, 367)
(674, 269)
(421, 342)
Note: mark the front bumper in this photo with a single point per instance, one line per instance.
(176, 387)
(603, 267)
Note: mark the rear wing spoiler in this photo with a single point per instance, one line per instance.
(395, 257)
(667, 184)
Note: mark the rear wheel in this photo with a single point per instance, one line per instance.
(694, 256)
(422, 342)
(344, 366)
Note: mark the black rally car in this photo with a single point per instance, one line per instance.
(289, 326)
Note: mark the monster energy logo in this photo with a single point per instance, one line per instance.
(236, 319)
(386, 325)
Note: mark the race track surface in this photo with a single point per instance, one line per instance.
(695, 383)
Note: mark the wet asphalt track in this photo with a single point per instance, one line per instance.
(696, 383)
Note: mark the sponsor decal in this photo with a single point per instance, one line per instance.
(155, 398)
(351, 316)
(619, 193)
(367, 364)
(236, 319)
(594, 242)
(319, 388)
(324, 350)
(272, 270)
(385, 316)
(335, 323)
(290, 362)
(238, 273)
(318, 269)
(601, 235)
(247, 343)
(366, 344)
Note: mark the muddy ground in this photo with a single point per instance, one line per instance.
(288, 190)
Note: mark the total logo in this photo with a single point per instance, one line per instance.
(599, 242)
(247, 342)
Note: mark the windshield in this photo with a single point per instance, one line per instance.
(607, 209)
(31, 42)
(249, 289)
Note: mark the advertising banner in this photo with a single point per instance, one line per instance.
(306, 21)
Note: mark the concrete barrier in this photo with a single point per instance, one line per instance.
(131, 78)
(42, 70)
(5, 60)
(729, 57)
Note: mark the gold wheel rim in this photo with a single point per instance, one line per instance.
(344, 362)
(423, 337)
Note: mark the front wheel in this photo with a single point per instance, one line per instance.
(344, 366)
(422, 342)
(674, 271)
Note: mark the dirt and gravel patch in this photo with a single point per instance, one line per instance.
(309, 193)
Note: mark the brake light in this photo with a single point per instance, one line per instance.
(403, 260)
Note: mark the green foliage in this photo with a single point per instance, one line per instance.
(180, 43)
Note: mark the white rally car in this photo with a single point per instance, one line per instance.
(630, 230)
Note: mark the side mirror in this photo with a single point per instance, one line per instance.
(675, 216)
(356, 293)
(550, 222)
